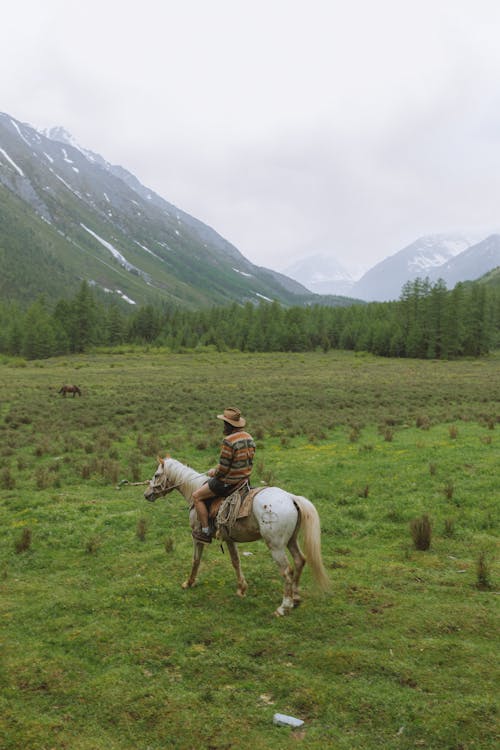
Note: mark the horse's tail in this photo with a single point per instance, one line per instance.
(310, 528)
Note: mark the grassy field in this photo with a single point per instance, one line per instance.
(100, 646)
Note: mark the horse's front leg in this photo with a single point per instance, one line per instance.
(197, 553)
(235, 560)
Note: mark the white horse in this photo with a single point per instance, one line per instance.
(276, 517)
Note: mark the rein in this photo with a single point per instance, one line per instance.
(132, 484)
(147, 481)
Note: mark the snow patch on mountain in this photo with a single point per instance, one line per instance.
(112, 249)
(12, 162)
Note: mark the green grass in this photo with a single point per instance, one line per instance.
(101, 648)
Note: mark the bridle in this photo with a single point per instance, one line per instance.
(159, 484)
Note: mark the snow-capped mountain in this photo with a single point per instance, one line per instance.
(470, 264)
(321, 274)
(427, 256)
(67, 215)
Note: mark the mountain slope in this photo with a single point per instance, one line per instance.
(67, 215)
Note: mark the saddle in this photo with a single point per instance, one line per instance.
(223, 512)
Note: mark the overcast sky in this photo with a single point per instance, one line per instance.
(292, 127)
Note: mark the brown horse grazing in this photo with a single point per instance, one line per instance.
(70, 389)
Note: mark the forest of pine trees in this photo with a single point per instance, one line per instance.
(428, 321)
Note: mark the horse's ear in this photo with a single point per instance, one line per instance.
(160, 460)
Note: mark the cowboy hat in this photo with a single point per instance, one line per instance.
(233, 416)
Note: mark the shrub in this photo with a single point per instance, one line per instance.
(421, 531)
(423, 422)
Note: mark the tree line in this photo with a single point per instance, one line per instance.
(427, 321)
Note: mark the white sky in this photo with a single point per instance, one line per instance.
(292, 127)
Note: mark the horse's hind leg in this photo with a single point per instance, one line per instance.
(279, 556)
(235, 560)
(198, 551)
(299, 561)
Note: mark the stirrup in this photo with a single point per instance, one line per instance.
(200, 536)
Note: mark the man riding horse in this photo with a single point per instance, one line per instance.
(233, 470)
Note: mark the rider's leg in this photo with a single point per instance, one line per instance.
(199, 497)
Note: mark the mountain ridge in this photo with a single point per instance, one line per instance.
(97, 222)
(450, 257)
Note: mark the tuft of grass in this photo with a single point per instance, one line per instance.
(43, 478)
(141, 529)
(93, 545)
(135, 467)
(354, 434)
(24, 542)
(421, 532)
(449, 527)
(448, 490)
(169, 545)
(483, 579)
(7, 479)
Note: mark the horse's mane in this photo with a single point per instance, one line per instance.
(181, 473)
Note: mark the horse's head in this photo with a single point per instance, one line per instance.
(160, 484)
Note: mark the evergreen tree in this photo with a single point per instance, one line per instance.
(38, 339)
(83, 319)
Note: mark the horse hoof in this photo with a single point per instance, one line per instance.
(281, 612)
(187, 585)
(242, 590)
(297, 602)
